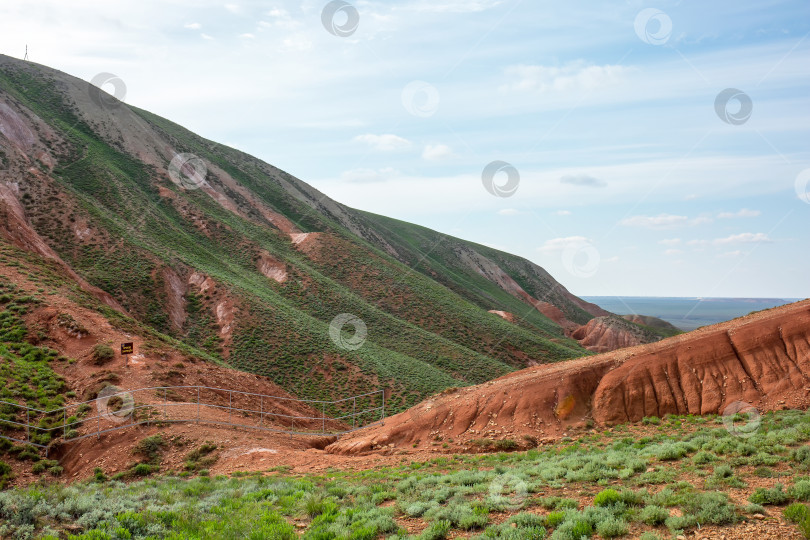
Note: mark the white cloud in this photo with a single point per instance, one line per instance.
(744, 238)
(671, 252)
(670, 241)
(233, 8)
(562, 213)
(383, 143)
(743, 213)
(731, 254)
(661, 221)
(558, 244)
(206, 36)
(574, 76)
(613, 259)
(508, 212)
(364, 175)
(193, 26)
(452, 6)
(297, 42)
(582, 180)
(247, 36)
(435, 152)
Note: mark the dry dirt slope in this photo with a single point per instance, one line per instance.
(762, 359)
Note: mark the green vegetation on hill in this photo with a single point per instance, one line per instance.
(123, 226)
(655, 479)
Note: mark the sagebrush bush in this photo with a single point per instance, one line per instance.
(612, 527)
(437, 531)
(102, 354)
(801, 455)
(800, 491)
(775, 495)
(653, 515)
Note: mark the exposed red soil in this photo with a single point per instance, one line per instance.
(505, 315)
(271, 267)
(14, 227)
(602, 334)
(762, 359)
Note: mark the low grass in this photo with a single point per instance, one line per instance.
(511, 495)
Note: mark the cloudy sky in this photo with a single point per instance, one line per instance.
(639, 148)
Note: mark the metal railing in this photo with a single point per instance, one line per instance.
(117, 410)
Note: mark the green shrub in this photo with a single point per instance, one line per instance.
(554, 518)
(506, 445)
(557, 503)
(801, 455)
(151, 448)
(649, 536)
(525, 520)
(752, 508)
(581, 528)
(775, 495)
(703, 457)
(98, 475)
(671, 451)
(437, 531)
(612, 527)
(764, 472)
(801, 490)
(141, 469)
(102, 354)
(5, 474)
(679, 523)
(711, 507)
(653, 515)
(607, 497)
(796, 513)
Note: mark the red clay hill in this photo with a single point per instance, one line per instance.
(762, 359)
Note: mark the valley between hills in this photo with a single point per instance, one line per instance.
(513, 408)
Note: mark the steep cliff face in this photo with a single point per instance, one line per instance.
(604, 334)
(764, 361)
(761, 359)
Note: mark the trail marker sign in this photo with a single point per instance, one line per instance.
(127, 348)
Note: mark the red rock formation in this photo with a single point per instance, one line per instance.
(605, 334)
(765, 360)
(762, 359)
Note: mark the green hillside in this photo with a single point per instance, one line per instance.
(94, 186)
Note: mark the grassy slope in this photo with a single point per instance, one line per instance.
(650, 480)
(429, 251)
(434, 338)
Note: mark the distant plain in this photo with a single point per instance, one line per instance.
(684, 312)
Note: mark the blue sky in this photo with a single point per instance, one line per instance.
(630, 182)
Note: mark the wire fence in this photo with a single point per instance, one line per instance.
(117, 409)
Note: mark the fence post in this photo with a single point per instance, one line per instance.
(198, 404)
(261, 411)
(323, 417)
(382, 411)
(354, 410)
(165, 401)
(64, 423)
(98, 421)
(27, 424)
(230, 405)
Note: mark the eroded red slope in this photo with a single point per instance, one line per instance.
(762, 359)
